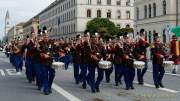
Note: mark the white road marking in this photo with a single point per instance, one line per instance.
(2, 72)
(12, 72)
(63, 92)
(167, 73)
(162, 89)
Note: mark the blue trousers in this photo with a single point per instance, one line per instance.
(141, 72)
(30, 69)
(129, 74)
(100, 77)
(48, 75)
(83, 73)
(158, 73)
(18, 63)
(118, 73)
(76, 72)
(38, 70)
(91, 76)
(108, 73)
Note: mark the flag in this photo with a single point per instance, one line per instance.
(176, 31)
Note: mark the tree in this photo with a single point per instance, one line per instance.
(102, 25)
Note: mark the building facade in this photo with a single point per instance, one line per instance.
(67, 18)
(15, 32)
(156, 16)
(30, 26)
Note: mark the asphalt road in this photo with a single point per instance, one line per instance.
(15, 87)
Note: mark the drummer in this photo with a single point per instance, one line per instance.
(157, 61)
(175, 53)
(140, 55)
(128, 59)
(85, 58)
(48, 73)
(95, 55)
(108, 56)
(117, 61)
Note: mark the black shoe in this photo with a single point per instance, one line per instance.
(108, 81)
(132, 87)
(84, 86)
(77, 82)
(97, 90)
(127, 88)
(141, 83)
(93, 91)
(120, 82)
(174, 71)
(156, 85)
(117, 84)
(46, 93)
(161, 85)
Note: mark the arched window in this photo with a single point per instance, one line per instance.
(128, 14)
(164, 7)
(150, 37)
(118, 14)
(98, 13)
(149, 10)
(164, 36)
(88, 13)
(154, 9)
(109, 14)
(137, 11)
(145, 11)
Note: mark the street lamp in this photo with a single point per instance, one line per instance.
(177, 11)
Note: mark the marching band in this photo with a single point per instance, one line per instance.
(88, 55)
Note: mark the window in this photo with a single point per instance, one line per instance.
(88, 1)
(149, 10)
(145, 11)
(150, 37)
(119, 14)
(137, 11)
(88, 13)
(118, 2)
(98, 13)
(108, 2)
(118, 26)
(164, 7)
(99, 2)
(154, 9)
(128, 15)
(128, 3)
(127, 26)
(109, 14)
(164, 36)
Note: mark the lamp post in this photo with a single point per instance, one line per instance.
(177, 11)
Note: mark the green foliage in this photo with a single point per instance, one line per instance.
(105, 28)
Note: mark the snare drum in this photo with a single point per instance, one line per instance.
(105, 64)
(58, 65)
(139, 64)
(168, 64)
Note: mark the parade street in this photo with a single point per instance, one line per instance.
(14, 87)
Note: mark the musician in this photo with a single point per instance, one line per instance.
(48, 73)
(117, 61)
(157, 60)
(76, 53)
(175, 53)
(30, 70)
(18, 51)
(128, 59)
(85, 58)
(108, 56)
(95, 55)
(140, 55)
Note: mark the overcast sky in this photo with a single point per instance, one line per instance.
(20, 10)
